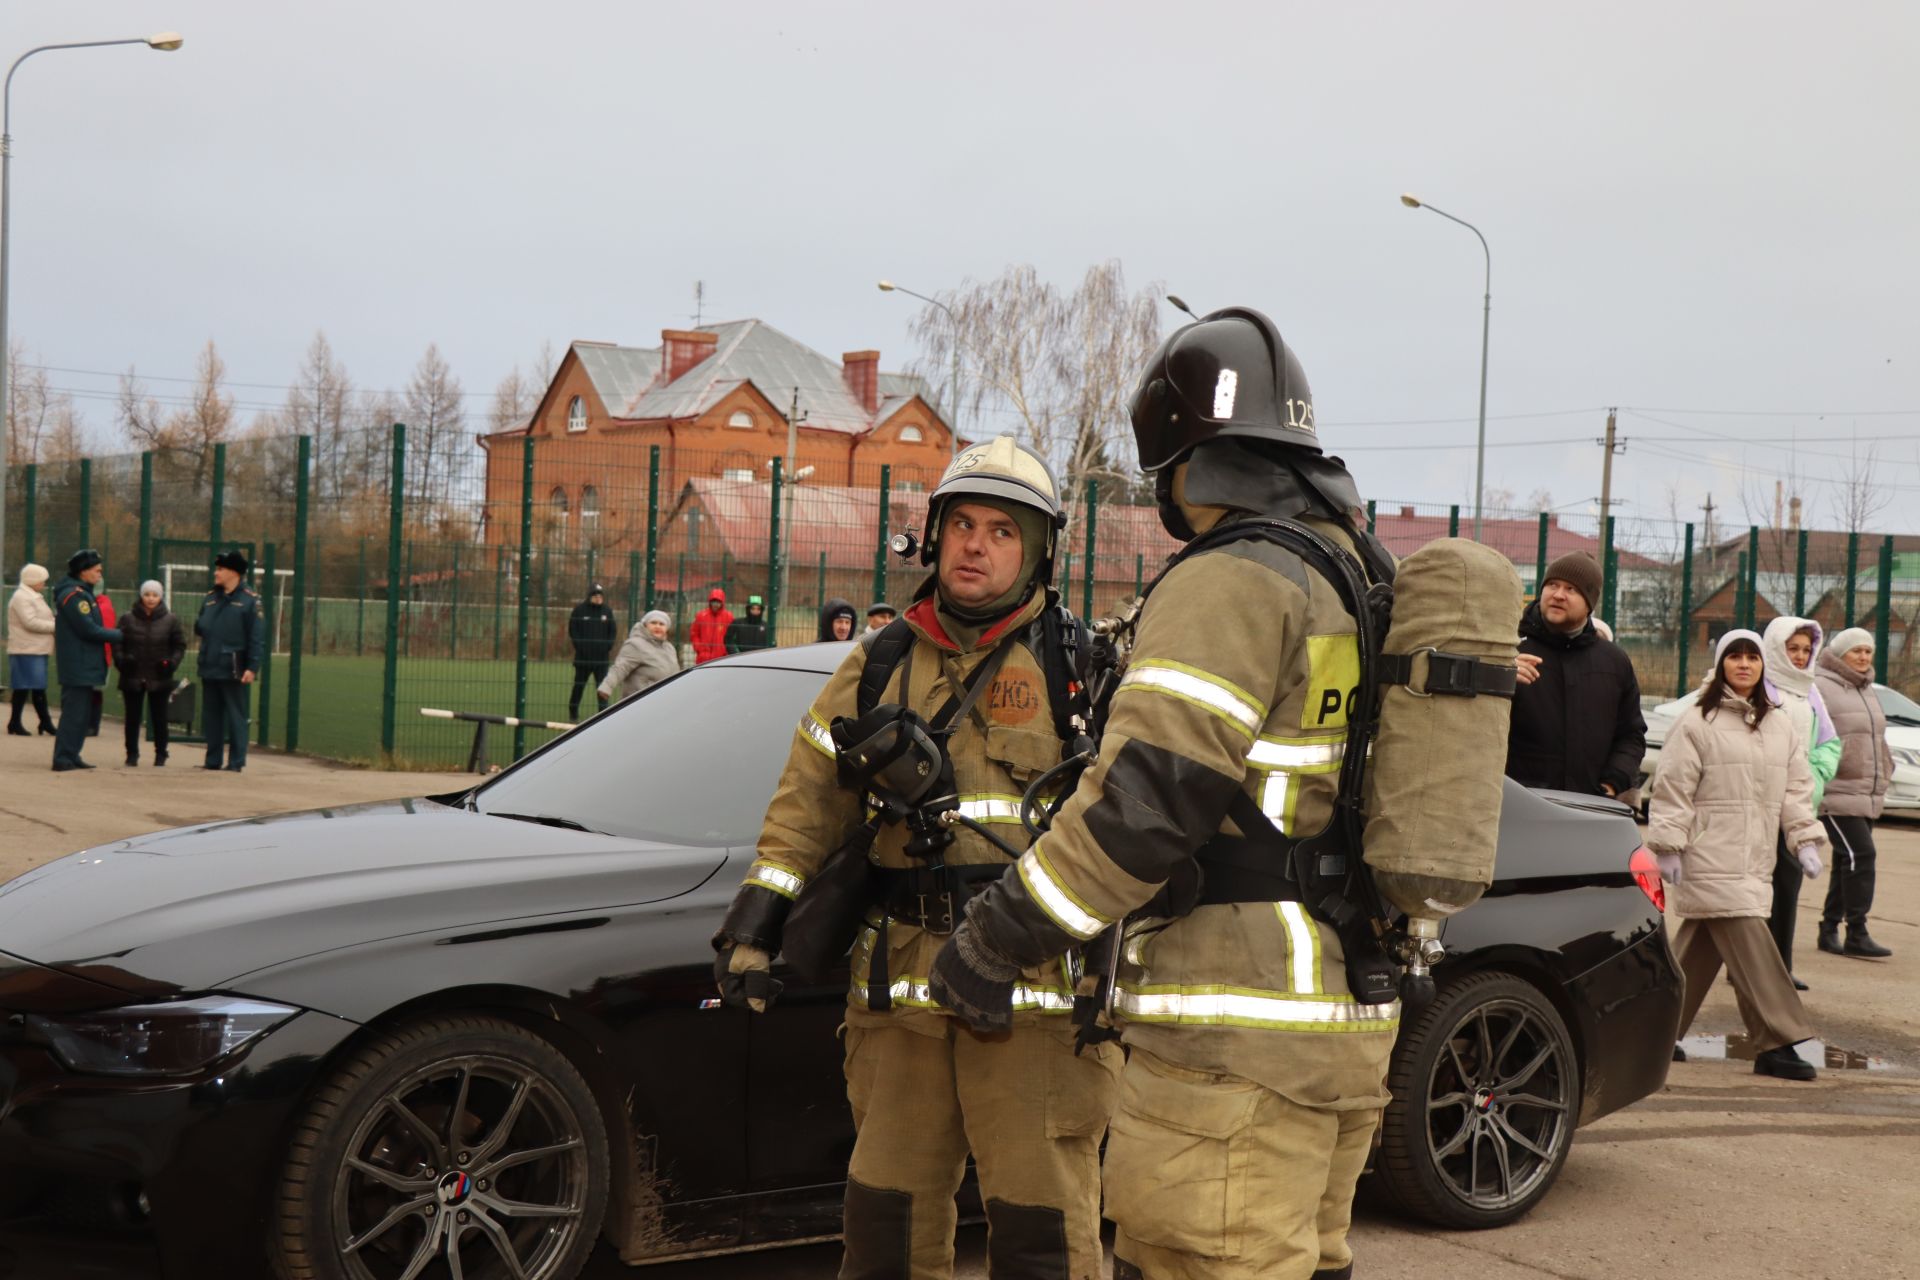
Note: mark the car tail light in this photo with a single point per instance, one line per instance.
(1646, 874)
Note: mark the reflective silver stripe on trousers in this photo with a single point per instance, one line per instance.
(1215, 1006)
(1303, 948)
(1208, 693)
(916, 993)
(779, 879)
(1054, 899)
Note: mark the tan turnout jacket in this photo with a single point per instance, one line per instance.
(1007, 741)
(1243, 667)
(1722, 792)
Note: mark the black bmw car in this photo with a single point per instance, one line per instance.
(470, 1034)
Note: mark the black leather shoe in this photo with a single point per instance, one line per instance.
(1861, 943)
(1334, 1273)
(1797, 984)
(48, 730)
(1679, 1054)
(1783, 1063)
(19, 731)
(1830, 940)
(64, 768)
(160, 761)
(133, 762)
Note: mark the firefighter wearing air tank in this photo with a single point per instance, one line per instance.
(1256, 1073)
(965, 715)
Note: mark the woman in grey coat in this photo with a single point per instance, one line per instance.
(1857, 793)
(646, 658)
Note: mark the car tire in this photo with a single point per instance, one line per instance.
(460, 1133)
(1486, 1094)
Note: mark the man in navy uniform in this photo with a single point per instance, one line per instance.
(80, 652)
(232, 639)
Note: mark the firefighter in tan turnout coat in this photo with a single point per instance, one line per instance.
(1254, 1077)
(925, 1088)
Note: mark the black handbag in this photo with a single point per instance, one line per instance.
(830, 908)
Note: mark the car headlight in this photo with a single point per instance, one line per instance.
(159, 1039)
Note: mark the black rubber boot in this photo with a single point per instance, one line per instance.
(1783, 1063)
(40, 709)
(1861, 943)
(1830, 939)
(14, 726)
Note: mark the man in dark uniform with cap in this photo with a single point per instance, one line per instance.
(80, 651)
(232, 642)
(593, 631)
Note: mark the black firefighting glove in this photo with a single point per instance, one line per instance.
(974, 981)
(744, 976)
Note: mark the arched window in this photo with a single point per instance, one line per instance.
(576, 414)
(910, 434)
(589, 509)
(558, 501)
(741, 418)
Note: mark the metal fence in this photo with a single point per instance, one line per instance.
(400, 570)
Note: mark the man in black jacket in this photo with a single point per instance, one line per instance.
(593, 631)
(1576, 714)
(749, 633)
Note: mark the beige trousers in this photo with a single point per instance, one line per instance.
(1212, 1177)
(1769, 1005)
(1031, 1113)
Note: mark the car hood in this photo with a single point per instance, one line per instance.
(188, 908)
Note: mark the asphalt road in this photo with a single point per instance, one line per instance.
(1722, 1176)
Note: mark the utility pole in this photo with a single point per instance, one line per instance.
(1712, 540)
(1606, 471)
(794, 419)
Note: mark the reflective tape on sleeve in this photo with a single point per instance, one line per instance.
(1228, 701)
(816, 732)
(1279, 753)
(1061, 906)
(771, 875)
(1221, 1006)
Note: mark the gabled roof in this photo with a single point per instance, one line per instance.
(618, 374)
(754, 351)
(842, 522)
(1518, 540)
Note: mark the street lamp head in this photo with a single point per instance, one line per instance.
(166, 40)
(886, 286)
(1411, 202)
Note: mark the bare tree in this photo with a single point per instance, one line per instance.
(42, 424)
(320, 404)
(435, 419)
(140, 416)
(1109, 336)
(1859, 495)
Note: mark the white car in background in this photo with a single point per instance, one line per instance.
(1903, 736)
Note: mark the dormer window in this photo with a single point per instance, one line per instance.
(576, 414)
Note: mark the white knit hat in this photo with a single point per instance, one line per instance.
(1851, 638)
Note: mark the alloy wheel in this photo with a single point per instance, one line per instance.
(1499, 1105)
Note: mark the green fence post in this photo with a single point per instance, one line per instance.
(142, 567)
(360, 624)
(1370, 520)
(1753, 577)
(1686, 611)
(1740, 592)
(406, 576)
(653, 518)
(1066, 576)
(633, 587)
(823, 580)
(1853, 572)
(1883, 610)
(453, 609)
(33, 502)
(268, 617)
(1540, 557)
(86, 501)
(773, 557)
(1453, 521)
(1093, 519)
(301, 481)
(546, 600)
(499, 595)
(680, 591)
(880, 541)
(1610, 572)
(525, 596)
(396, 524)
(1800, 576)
(217, 513)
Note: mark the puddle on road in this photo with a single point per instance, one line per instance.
(1817, 1052)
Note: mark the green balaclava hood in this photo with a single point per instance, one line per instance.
(1033, 545)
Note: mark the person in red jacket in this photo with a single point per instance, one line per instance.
(708, 633)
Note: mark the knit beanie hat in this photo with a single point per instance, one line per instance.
(1580, 571)
(1851, 638)
(33, 575)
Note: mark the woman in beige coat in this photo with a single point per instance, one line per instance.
(29, 641)
(1730, 777)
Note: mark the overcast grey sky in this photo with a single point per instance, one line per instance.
(1705, 206)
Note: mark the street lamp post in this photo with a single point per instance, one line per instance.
(165, 40)
(1486, 320)
(953, 388)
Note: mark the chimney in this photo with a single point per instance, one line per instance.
(681, 349)
(1406, 513)
(1793, 513)
(861, 372)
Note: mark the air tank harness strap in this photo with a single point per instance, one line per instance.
(1455, 675)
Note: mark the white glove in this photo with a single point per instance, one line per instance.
(1670, 869)
(1809, 855)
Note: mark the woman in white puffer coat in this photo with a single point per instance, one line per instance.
(1732, 774)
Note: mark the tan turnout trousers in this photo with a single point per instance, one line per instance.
(1031, 1113)
(1769, 1005)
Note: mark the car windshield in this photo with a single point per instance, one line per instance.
(690, 761)
(1899, 707)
